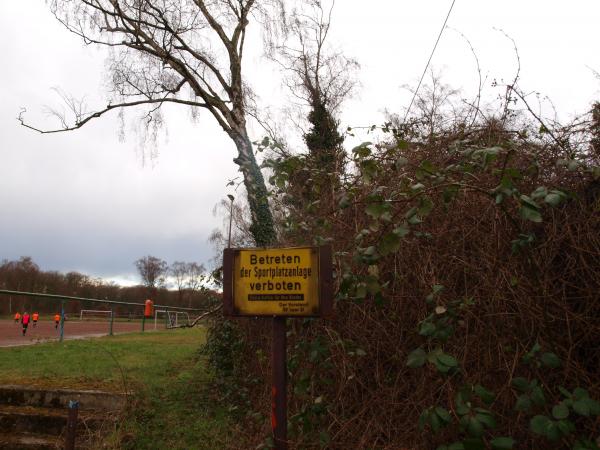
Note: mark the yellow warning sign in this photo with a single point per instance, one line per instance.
(276, 281)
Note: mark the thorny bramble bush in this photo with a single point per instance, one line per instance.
(500, 216)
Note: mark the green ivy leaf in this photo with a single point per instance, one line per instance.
(369, 169)
(566, 427)
(521, 384)
(585, 444)
(361, 290)
(411, 212)
(423, 419)
(528, 201)
(442, 368)
(550, 360)
(373, 285)
(502, 443)
(362, 150)
(456, 446)
(564, 392)
(425, 206)
(415, 220)
(427, 329)
(539, 193)
(389, 243)
(560, 411)
(543, 426)
(443, 414)
(434, 422)
(537, 396)
(539, 424)
(462, 409)
(473, 444)
(582, 407)
(486, 419)
(523, 403)
(554, 198)
(401, 231)
(580, 393)
(369, 255)
(530, 214)
(447, 360)
(475, 427)
(416, 358)
(378, 210)
(425, 169)
(486, 396)
(553, 432)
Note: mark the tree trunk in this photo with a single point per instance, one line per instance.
(262, 228)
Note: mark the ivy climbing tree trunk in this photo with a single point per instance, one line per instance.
(262, 227)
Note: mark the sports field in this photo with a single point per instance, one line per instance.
(173, 407)
(11, 332)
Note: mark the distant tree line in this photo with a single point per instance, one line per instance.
(25, 275)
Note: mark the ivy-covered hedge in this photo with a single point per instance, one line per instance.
(467, 308)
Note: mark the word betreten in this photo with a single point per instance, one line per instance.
(283, 259)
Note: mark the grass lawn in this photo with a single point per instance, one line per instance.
(172, 405)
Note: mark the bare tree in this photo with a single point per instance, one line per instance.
(236, 214)
(321, 76)
(152, 271)
(196, 276)
(178, 270)
(168, 51)
(187, 276)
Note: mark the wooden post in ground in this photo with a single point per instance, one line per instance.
(279, 384)
(71, 425)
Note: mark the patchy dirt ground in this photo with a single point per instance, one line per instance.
(11, 332)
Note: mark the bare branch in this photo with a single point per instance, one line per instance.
(95, 115)
(203, 315)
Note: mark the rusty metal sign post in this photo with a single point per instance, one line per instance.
(279, 283)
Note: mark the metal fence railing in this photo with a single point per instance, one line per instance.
(134, 310)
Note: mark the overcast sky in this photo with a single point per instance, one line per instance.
(92, 202)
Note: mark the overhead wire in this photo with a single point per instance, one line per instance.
(429, 61)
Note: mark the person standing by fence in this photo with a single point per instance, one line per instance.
(25, 322)
(35, 318)
(56, 321)
(17, 317)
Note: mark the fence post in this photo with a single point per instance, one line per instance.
(112, 315)
(166, 318)
(143, 321)
(71, 425)
(62, 320)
